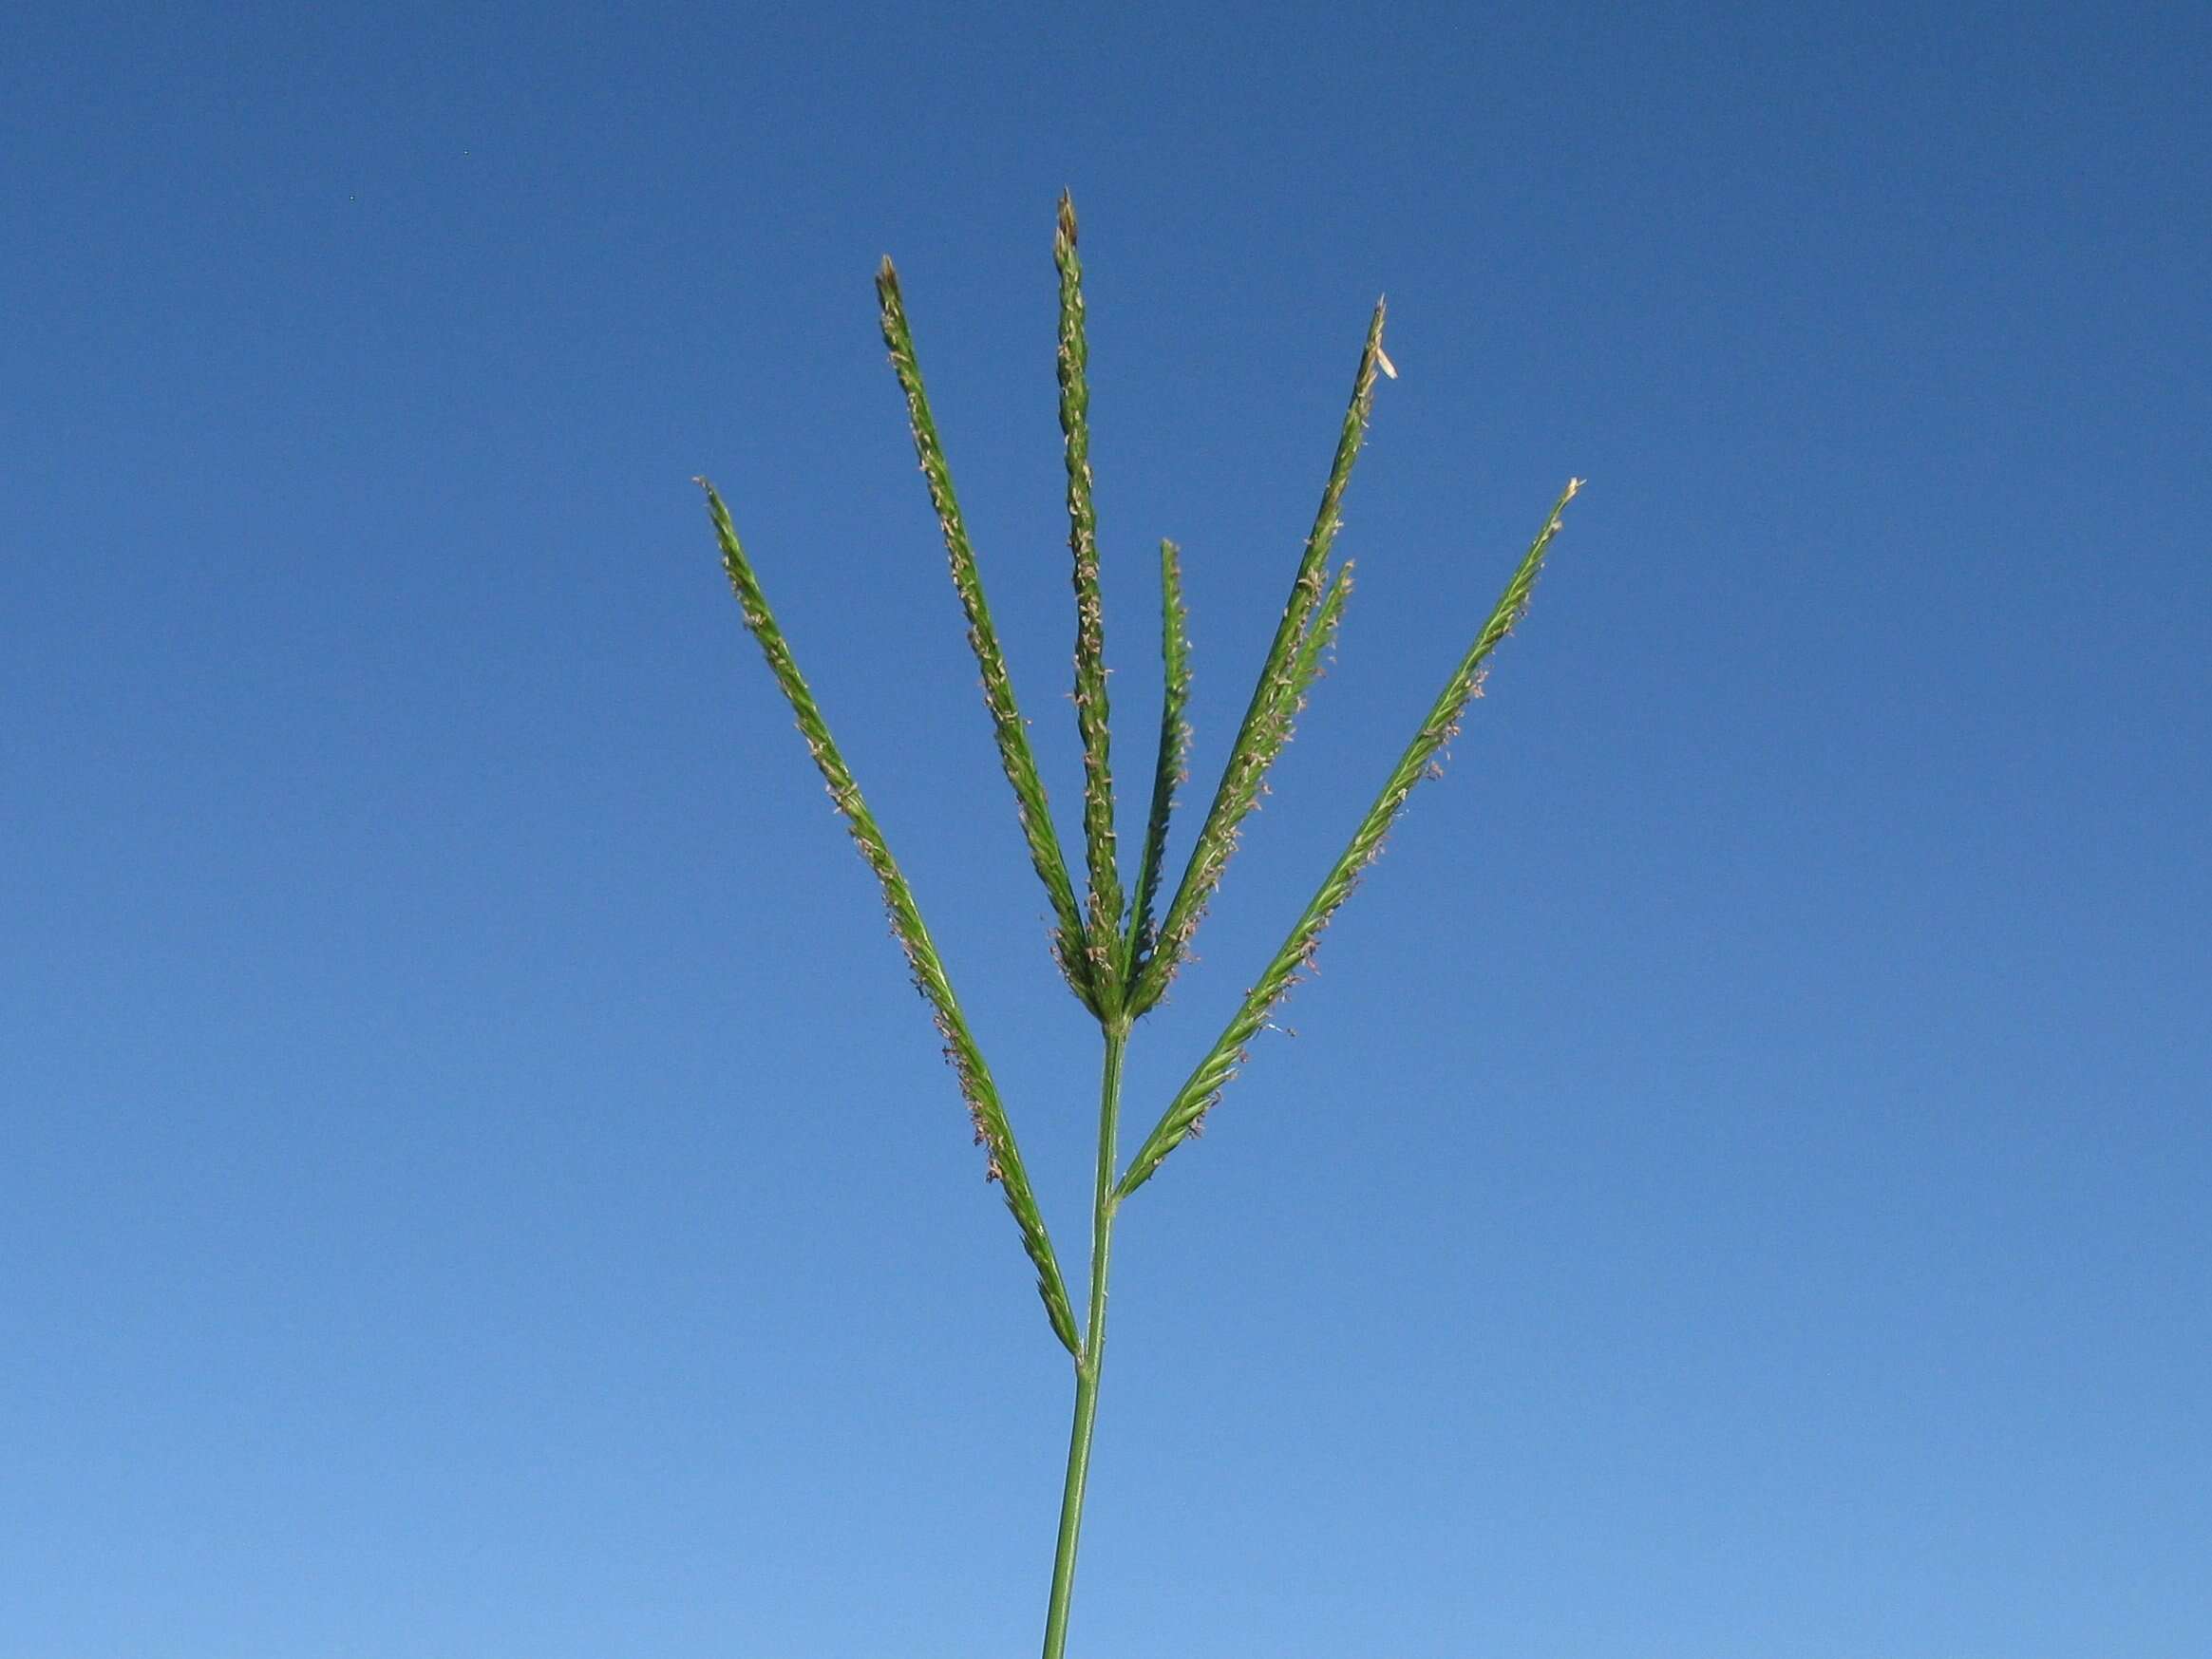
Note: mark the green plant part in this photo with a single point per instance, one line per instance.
(1116, 956)
(1102, 932)
(1007, 728)
(1170, 770)
(1267, 719)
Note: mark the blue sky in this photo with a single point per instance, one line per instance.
(475, 1181)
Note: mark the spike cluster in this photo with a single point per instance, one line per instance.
(1118, 951)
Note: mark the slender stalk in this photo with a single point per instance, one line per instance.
(1103, 1203)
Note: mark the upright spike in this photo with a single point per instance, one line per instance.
(1009, 729)
(1103, 923)
(1168, 770)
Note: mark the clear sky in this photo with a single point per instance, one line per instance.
(475, 1181)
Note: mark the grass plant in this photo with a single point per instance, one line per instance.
(1115, 946)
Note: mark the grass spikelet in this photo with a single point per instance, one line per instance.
(1265, 727)
(1203, 1088)
(1069, 942)
(1170, 769)
(992, 1131)
(1091, 710)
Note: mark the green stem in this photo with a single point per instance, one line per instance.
(1104, 1204)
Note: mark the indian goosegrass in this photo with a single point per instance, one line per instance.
(1117, 946)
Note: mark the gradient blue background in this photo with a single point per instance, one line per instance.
(475, 1181)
